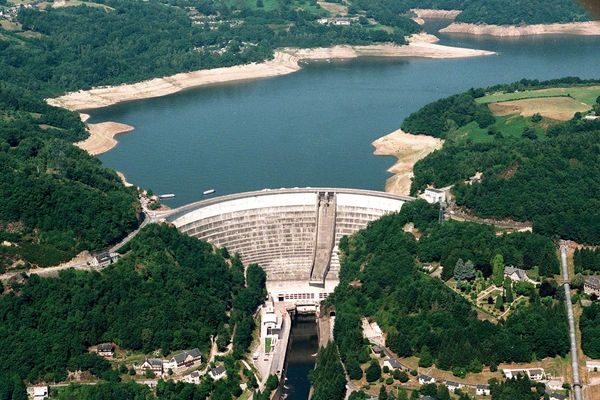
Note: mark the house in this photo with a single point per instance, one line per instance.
(194, 378)
(592, 366)
(106, 350)
(482, 390)
(591, 285)
(452, 386)
(105, 258)
(184, 359)
(376, 349)
(554, 384)
(591, 117)
(535, 374)
(217, 373)
(425, 379)
(393, 364)
(153, 364)
(433, 195)
(557, 396)
(323, 21)
(342, 21)
(516, 274)
(426, 398)
(38, 392)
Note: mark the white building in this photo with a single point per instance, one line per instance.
(271, 323)
(153, 364)
(591, 285)
(433, 195)
(535, 374)
(482, 390)
(425, 379)
(194, 378)
(184, 359)
(38, 392)
(452, 386)
(592, 365)
(517, 275)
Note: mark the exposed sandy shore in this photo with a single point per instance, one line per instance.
(285, 62)
(408, 149)
(102, 137)
(576, 28)
(123, 179)
(426, 13)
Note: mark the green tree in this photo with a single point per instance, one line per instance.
(499, 303)
(383, 394)
(373, 372)
(498, 269)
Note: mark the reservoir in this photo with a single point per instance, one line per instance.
(314, 127)
(301, 357)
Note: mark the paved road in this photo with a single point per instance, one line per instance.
(574, 359)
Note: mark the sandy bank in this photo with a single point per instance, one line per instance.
(123, 179)
(408, 149)
(426, 13)
(102, 137)
(285, 62)
(576, 28)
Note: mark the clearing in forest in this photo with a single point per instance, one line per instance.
(557, 108)
(585, 94)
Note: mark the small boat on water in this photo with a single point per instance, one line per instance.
(209, 191)
(166, 196)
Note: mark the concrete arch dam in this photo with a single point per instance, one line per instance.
(292, 233)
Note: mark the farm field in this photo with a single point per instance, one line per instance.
(585, 94)
(557, 108)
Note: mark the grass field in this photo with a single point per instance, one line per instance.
(585, 94)
(557, 108)
(509, 125)
(270, 5)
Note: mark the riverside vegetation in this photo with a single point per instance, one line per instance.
(168, 292)
(534, 168)
(421, 316)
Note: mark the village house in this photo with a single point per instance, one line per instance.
(592, 366)
(38, 392)
(184, 359)
(517, 275)
(153, 364)
(554, 384)
(452, 386)
(105, 258)
(557, 396)
(482, 390)
(393, 364)
(425, 379)
(218, 373)
(433, 195)
(342, 21)
(194, 378)
(106, 350)
(535, 374)
(591, 285)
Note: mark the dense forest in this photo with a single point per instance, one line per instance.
(551, 181)
(422, 316)
(589, 323)
(75, 48)
(169, 292)
(328, 379)
(56, 199)
(586, 260)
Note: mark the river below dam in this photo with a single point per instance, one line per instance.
(314, 127)
(301, 357)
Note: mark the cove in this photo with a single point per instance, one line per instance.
(314, 127)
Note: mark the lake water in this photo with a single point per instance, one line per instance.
(300, 359)
(314, 127)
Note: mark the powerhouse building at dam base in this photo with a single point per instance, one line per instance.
(293, 234)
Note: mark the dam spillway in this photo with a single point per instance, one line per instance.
(293, 234)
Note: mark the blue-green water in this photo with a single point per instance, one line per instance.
(314, 127)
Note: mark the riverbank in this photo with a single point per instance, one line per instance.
(285, 61)
(427, 13)
(102, 137)
(408, 149)
(591, 28)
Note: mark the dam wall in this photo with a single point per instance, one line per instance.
(291, 233)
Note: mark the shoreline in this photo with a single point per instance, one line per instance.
(407, 149)
(430, 13)
(102, 136)
(591, 28)
(285, 61)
